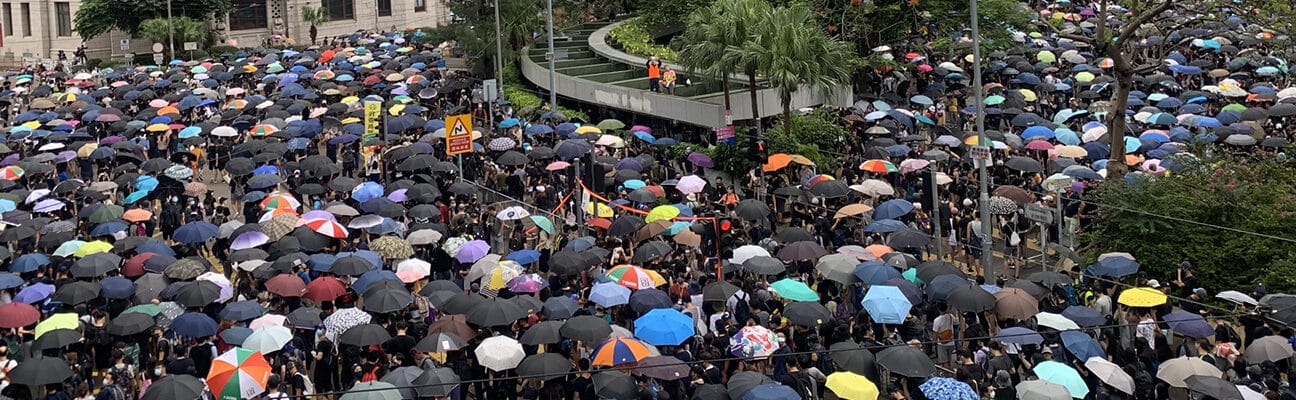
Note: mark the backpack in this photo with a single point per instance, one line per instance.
(742, 310)
(308, 387)
(1069, 292)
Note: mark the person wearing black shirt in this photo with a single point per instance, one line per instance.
(201, 354)
(401, 344)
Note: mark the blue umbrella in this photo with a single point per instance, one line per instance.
(1019, 335)
(35, 293)
(947, 388)
(369, 278)
(195, 232)
(772, 391)
(108, 228)
(1084, 316)
(508, 123)
(539, 130)
(609, 294)
(876, 272)
(1114, 267)
(644, 136)
(194, 324)
(1037, 132)
(29, 262)
(886, 304)
(366, 191)
(664, 327)
(884, 225)
(892, 209)
(116, 288)
(235, 335)
(10, 281)
(155, 247)
(242, 310)
(265, 169)
(1189, 324)
(1083, 346)
(524, 256)
(580, 244)
(939, 288)
(321, 262)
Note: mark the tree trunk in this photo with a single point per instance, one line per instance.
(1116, 126)
(724, 86)
(787, 116)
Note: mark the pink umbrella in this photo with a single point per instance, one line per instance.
(640, 128)
(701, 160)
(691, 184)
(924, 68)
(557, 165)
(529, 283)
(1039, 145)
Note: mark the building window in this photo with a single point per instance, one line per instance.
(26, 17)
(8, 19)
(339, 9)
(247, 14)
(420, 5)
(384, 8)
(63, 18)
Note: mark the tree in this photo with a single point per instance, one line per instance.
(314, 16)
(792, 52)
(96, 17)
(186, 30)
(1121, 26)
(871, 23)
(715, 39)
(1205, 214)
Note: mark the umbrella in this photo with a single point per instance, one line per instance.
(364, 335)
(772, 391)
(587, 328)
(849, 385)
(1111, 374)
(193, 324)
(1213, 386)
(662, 327)
(609, 294)
(1082, 345)
(1061, 374)
(1176, 370)
(268, 339)
(436, 382)
(886, 304)
(40, 371)
(743, 382)
(238, 374)
(1269, 348)
(618, 351)
(1043, 390)
(499, 353)
(794, 290)
(1189, 324)
(175, 387)
(402, 378)
(853, 357)
(947, 388)
(547, 365)
(372, 390)
(440, 342)
(906, 361)
(615, 385)
(1015, 303)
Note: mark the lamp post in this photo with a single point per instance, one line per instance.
(170, 31)
(553, 89)
(982, 170)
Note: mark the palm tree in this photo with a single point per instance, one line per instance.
(715, 37)
(314, 16)
(791, 51)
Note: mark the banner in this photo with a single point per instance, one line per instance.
(372, 116)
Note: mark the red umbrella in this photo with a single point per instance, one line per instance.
(600, 223)
(286, 285)
(17, 315)
(325, 288)
(372, 80)
(135, 265)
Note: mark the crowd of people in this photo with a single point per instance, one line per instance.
(291, 224)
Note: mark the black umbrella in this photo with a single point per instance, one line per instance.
(365, 335)
(586, 328)
(970, 298)
(567, 262)
(175, 387)
(462, 303)
(550, 365)
(719, 292)
(544, 332)
(436, 382)
(495, 312)
(906, 361)
(1024, 164)
(77, 292)
(908, 237)
(615, 385)
(830, 189)
(651, 251)
(807, 313)
(764, 265)
(305, 317)
(40, 371)
(645, 300)
(711, 391)
(95, 265)
(56, 338)
(440, 342)
(853, 357)
(385, 299)
(666, 368)
(752, 209)
(242, 310)
(625, 225)
(743, 382)
(403, 379)
(130, 323)
(928, 271)
(794, 234)
(512, 158)
(198, 294)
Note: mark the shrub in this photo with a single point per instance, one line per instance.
(221, 50)
(197, 55)
(635, 38)
(107, 64)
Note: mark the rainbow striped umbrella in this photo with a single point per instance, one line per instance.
(12, 173)
(325, 75)
(264, 130)
(618, 351)
(280, 200)
(238, 374)
(878, 166)
(634, 277)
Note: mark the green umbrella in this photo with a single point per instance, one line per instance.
(911, 275)
(1234, 107)
(994, 100)
(794, 290)
(611, 124)
(105, 213)
(1046, 56)
(151, 310)
(544, 223)
(1064, 375)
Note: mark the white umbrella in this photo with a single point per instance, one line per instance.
(1236, 297)
(1055, 321)
(1043, 390)
(1175, 371)
(482, 267)
(499, 353)
(423, 236)
(268, 339)
(513, 213)
(344, 319)
(874, 188)
(1248, 394)
(226, 288)
(224, 131)
(743, 253)
(1111, 374)
(691, 184)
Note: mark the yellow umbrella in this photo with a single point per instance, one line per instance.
(86, 150)
(57, 321)
(94, 247)
(1046, 56)
(662, 213)
(1071, 151)
(599, 210)
(1029, 95)
(800, 159)
(1085, 76)
(499, 277)
(852, 386)
(158, 128)
(588, 129)
(396, 110)
(1142, 297)
(350, 99)
(31, 124)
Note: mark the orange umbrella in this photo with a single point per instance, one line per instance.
(238, 374)
(879, 250)
(776, 162)
(137, 215)
(168, 110)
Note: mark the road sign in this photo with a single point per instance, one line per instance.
(489, 90)
(1058, 184)
(157, 59)
(459, 134)
(125, 44)
(157, 47)
(190, 46)
(725, 134)
(1038, 213)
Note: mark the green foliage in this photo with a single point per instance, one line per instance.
(143, 59)
(96, 17)
(660, 12)
(197, 55)
(879, 22)
(314, 15)
(106, 64)
(523, 98)
(810, 133)
(1246, 194)
(635, 38)
(186, 30)
(219, 50)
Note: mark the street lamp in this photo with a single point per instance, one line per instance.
(553, 87)
(982, 173)
(170, 31)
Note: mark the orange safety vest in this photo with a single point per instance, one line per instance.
(654, 72)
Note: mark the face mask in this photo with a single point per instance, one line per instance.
(105, 382)
(157, 371)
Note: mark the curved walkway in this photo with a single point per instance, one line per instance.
(590, 70)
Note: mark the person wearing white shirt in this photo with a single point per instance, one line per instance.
(1146, 329)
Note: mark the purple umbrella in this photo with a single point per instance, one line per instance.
(108, 141)
(472, 251)
(529, 283)
(701, 160)
(48, 205)
(35, 293)
(10, 159)
(65, 156)
(632, 164)
(318, 214)
(249, 239)
(398, 196)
